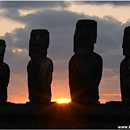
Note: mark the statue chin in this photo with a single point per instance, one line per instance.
(84, 50)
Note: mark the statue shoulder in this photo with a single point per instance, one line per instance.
(6, 66)
(98, 59)
(50, 64)
(73, 58)
(124, 61)
(49, 61)
(97, 56)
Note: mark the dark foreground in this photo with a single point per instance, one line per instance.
(70, 115)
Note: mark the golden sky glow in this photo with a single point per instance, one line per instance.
(7, 25)
(20, 50)
(119, 13)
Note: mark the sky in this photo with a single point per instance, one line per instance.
(17, 19)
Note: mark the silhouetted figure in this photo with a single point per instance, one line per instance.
(4, 73)
(125, 67)
(39, 68)
(85, 66)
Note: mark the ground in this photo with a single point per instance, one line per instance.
(71, 115)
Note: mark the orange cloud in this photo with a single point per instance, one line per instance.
(109, 97)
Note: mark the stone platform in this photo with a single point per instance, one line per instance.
(71, 115)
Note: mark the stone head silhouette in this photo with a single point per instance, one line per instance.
(4, 73)
(40, 67)
(125, 67)
(85, 66)
(39, 42)
(85, 36)
(2, 50)
(126, 41)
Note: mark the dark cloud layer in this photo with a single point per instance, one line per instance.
(114, 3)
(31, 5)
(61, 26)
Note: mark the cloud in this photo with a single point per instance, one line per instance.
(109, 88)
(109, 97)
(18, 89)
(113, 3)
(32, 5)
(61, 26)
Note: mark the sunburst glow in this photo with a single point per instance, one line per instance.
(63, 100)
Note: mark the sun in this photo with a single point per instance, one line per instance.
(63, 100)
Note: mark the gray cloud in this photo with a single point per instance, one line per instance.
(31, 5)
(113, 3)
(61, 25)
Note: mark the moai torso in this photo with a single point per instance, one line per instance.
(4, 73)
(85, 67)
(125, 67)
(39, 68)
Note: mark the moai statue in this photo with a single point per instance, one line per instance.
(125, 67)
(4, 74)
(39, 68)
(85, 66)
